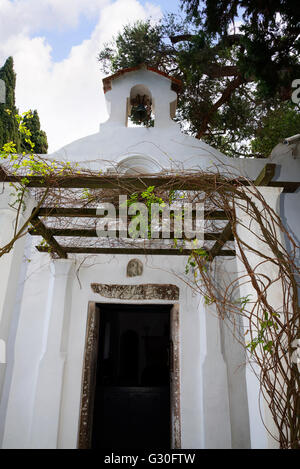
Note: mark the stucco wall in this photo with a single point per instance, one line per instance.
(22, 429)
(50, 323)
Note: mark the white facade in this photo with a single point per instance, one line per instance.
(44, 303)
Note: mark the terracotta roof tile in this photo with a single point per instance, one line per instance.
(176, 84)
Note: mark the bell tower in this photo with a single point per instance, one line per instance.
(143, 93)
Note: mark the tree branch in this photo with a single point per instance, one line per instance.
(233, 85)
(226, 41)
(218, 71)
(181, 37)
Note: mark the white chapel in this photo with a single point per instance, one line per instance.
(115, 349)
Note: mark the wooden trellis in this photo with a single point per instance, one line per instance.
(167, 182)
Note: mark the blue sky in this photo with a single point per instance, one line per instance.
(55, 44)
(63, 39)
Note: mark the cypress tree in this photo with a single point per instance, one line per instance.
(8, 124)
(9, 131)
(38, 136)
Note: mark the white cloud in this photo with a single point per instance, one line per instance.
(68, 94)
(28, 16)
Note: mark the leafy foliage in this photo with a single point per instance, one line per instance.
(266, 325)
(140, 43)
(276, 126)
(38, 136)
(232, 81)
(147, 197)
(269, 38)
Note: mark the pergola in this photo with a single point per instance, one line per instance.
(113, 182)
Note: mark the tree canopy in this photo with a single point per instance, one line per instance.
(9, 125)
(268, 38)
(237, 62)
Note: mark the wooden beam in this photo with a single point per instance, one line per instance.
(225, 236)
(58, 212)
(3, 174)
(288, 187)
(266, 175)
(92, 233)
(129, 183)
(132, 251)
(48, 237)
(168, 182)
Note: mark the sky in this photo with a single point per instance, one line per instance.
(55, 44)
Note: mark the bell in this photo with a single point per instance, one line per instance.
(141, 108)
(139, 113)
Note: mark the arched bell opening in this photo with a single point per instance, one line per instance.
(140, 107)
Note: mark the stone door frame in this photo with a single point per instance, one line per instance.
(90, 368)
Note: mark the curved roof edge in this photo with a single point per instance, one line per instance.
(176, 84)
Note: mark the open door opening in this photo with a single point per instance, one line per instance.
(132, 390)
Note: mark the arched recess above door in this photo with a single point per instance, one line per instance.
(139, 164)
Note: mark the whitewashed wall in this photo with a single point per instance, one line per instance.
(33, 402)
(40, 402)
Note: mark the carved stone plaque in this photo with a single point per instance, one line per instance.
(137, 292)
(134, 268)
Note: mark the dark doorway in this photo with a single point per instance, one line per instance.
(132, 394)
